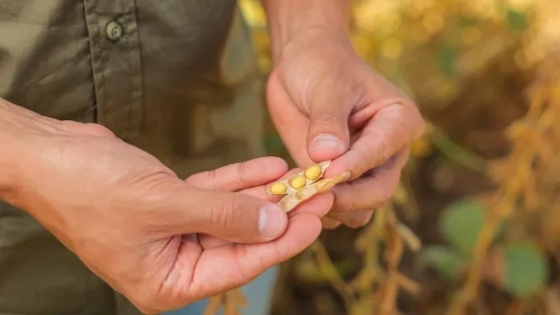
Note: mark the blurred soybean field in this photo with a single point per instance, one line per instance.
(474, 227)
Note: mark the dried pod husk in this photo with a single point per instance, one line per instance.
(300, 180)
(291, 201)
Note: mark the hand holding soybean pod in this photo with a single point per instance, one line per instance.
(304, 185)
(296, 189)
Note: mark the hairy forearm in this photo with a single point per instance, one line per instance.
(289, 20)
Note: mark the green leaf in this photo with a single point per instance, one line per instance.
(461, 224)
(525, 269)
(444, 260)
(517, 20)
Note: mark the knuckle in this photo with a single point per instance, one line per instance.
(402, 159)
(98, 130)
(385, 147)
(204, 180)
(93, 129)
(385, 195)
(360, 219)
(345, 205)
(331, 225)
(242, 173)
(387, 166)
(416, 122)
(215, 216)
(381, 202)
(211, 181)
(389, 190)
(351, 205)
(197, 180)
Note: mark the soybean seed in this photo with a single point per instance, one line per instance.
(278, 188)
(298, 182)
(313, 172)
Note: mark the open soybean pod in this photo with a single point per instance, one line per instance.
(289, 202)
(300, 180)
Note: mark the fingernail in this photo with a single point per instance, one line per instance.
(272, 221)
(326, 141)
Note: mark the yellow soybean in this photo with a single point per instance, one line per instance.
(278, 188)
(298, 182)
(313, 172)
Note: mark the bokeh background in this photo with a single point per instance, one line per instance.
(475, 225)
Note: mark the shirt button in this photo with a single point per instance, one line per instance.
(113, 31)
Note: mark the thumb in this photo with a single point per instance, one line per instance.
(234, 217)
(328, 136)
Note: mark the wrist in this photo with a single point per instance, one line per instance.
(8, 166)
(17, 125)
(292, 21)
(317, 41)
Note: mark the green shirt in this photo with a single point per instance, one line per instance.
(177, 78)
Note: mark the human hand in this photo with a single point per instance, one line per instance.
(327, 104)
(252, 178)
(124, 214)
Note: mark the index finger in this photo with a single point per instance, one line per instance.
(389, 131)
(238, 176)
